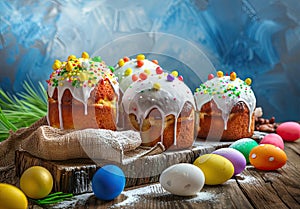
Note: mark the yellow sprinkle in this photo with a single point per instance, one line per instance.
(248, 81)
(147, 71)
(220, 74)
(232, 76)
(174, 73)
(121, 62)
(128, 71)
(71, 57)
(83, 76)
(140, 57)
(69, 67)
(56, 65)
(156, 86)
(85, 55)
(61, 84)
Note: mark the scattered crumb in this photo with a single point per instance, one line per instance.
(245, 179)
(203, 196)
(77, 199)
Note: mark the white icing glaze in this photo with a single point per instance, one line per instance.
(226, 93)
(140, 98)
(125, 81)
(92, 72)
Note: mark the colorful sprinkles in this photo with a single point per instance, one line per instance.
(136, 73)
(80, 72)
(225, 86)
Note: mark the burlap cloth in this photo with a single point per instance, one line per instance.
(50, 143)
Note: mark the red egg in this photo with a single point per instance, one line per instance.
(267, 157)
(274, 139)
(289, 131)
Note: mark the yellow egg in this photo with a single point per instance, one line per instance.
(36, 182)
(217, 169)
(12, 197)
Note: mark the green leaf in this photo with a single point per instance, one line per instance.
(23, 108)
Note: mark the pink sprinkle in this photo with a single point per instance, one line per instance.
(210, 76)
(159, 70)
(174, 99)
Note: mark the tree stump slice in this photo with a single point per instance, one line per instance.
(75, 176)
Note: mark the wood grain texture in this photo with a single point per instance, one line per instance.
(250, 189)
(75, 176)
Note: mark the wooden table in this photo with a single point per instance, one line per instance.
(250, 189)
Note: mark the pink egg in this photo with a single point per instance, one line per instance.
(274, 139)
(234, 156)
(289, 131)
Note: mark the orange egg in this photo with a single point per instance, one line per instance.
(267, 157)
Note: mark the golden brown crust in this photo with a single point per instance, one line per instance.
(151, 128)
(211, 124)
(101, 109)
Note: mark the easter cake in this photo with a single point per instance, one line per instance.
(225, 105)
(82, 93)
(157, 104)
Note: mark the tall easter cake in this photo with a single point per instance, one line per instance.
(225, 105)
(158, 104)
(82, 93)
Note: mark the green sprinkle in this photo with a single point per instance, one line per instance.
(97, 59)
(112, 69)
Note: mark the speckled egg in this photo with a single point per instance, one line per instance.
(108, 182)
(267, 157)
(274, 139)
(236, 158)
(245, 146)
(182, 179)
(216, 168)
(12, 197)
(289, 131)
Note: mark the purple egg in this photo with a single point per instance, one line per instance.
(235, 157)
(274, 139)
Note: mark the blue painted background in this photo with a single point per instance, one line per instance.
(257, 39)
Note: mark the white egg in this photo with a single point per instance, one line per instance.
(182, 179)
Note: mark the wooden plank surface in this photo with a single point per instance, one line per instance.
(250, 189)
(74, 176)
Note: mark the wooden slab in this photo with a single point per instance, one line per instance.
(250, 189)
(74, 176)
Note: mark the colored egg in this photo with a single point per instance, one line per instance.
(289, 131)
(182, 179)
(108, 182)
(235, 157)
(267, 157)
(216, 168)
(36, 182)
(12, 197)
(245, 146)
(274, 139)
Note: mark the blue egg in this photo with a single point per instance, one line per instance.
(108, 182)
